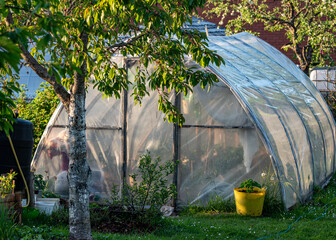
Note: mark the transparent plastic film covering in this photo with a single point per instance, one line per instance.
(263, 116)
(321, 109)
(218, 151)
(270, 126)
(262, 77)
(103, 147)
(298, 96)
(285, 109)
(146, 128)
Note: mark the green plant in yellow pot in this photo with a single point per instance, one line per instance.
(249, 198)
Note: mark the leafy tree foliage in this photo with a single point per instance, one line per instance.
(67, 42)
(309, 25)
(8, 87)
(9, 60)
(39, 110)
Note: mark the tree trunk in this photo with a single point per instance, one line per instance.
(305, 69)
(79, 170)
(306, 58)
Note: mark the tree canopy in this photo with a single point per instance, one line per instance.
(309, 25)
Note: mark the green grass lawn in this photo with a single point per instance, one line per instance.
(231, 226)
(315, 220)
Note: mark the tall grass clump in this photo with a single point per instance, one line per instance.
(272, 203)
(7, 222)
(216, 204)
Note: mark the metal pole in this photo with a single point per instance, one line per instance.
(176, 149)
(124, 103)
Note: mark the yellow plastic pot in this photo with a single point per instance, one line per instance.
(250, 204)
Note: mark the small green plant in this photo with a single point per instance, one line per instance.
(273, 203)
(146, 197)
(39, 183)
(42, 185)
(7, 183)
(249, 185)
(152, 192)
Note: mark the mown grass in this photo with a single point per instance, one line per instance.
(315, 220)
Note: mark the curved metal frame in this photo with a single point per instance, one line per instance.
(289, 101)
(317, 93)
(313, 96)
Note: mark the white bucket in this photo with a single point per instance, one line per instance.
(47, 205)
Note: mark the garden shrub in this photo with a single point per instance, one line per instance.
(7, 183)
(7, 215)
(42, 185)
(152, 192)
(137, 206)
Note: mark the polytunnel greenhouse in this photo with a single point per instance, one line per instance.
(263, 118)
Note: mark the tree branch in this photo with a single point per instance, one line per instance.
(23, 9)
(41, 71)
(128, 42)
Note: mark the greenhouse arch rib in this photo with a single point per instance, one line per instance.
(309, 107)
(289, 101)
(279, 118)
(279, 55)
(297, 92)
(312, 95)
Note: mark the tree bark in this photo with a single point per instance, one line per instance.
(79, 170)
(304, 55)
(305, 70)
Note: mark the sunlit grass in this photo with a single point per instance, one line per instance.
(315, 220)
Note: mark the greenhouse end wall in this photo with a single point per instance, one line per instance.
(218, 145)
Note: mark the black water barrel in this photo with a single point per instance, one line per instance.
(23, 141)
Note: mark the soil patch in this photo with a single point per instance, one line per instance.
(108, 219)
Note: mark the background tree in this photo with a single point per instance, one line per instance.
(309, 25)
(37, 110)
(68, 42)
